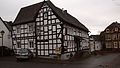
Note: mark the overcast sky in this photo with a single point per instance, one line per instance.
(96, 15)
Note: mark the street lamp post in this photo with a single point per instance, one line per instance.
(2, 33)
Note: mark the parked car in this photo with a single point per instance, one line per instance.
(23, 54)
(5, 51)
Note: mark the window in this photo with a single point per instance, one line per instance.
(108, 44)
(119, 36)
(49, 17)
(31, 28)
(41, 18)
(116, 29)
(38, 19)
(50, 32)
(53, 16)
(54, 28)
(58, 26)
(41, 28)
(31, 44)
(49, 12)
(74, 32)
(53, 21)
(115, 45)
(45, 9)
(45, 15)
(45, 22)
(108, 37)
(18, 29)
(57, 20)
(107, 30)
(46, 37)
(114, 36)
(119, 44)
(80, 34)
(45, 28)
(9, 36)
(18, 45)
(68, 31)
(50, 27)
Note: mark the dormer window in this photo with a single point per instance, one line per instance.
(116, 29)
(107, 30)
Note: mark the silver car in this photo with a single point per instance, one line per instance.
(24, 54)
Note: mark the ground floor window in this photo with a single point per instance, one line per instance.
(18, 45)
(108, 45)
(31, 44)
(115, 45)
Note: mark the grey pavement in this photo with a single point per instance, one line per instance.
(105, 61)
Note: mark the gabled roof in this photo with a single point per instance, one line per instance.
(113, 25)
(28, 14)
(7, 24)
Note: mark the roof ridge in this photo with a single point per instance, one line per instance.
(113, 24)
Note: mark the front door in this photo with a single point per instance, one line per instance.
(77, 41)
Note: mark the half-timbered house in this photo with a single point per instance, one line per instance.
(48, 31)
(110, 37)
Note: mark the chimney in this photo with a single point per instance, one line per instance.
(62, 9)
(116, 22)
(65, 11)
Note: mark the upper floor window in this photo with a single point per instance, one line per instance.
(65, 31)
(53, 16)
(9, 36)
(107, 30)
(114, 37)
(74, 32)
(45, 15)
(31, 27)
(108, 37)
(119, 36)
(80, 34)
(45, 22)
(18, 29)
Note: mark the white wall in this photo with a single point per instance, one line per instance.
(7, 41)
(77, 32)
(95, 45)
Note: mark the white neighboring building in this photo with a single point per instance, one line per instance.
(95, 43)
(5, 26)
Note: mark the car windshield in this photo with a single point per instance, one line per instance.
(23, 51)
